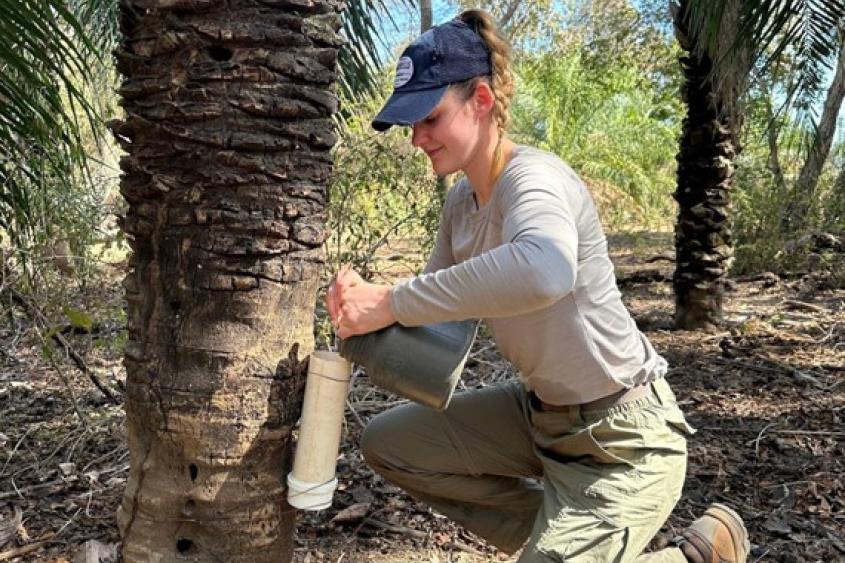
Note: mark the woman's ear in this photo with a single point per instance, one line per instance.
(484, 99)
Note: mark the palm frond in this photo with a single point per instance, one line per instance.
(808, 31)
(51, 52)
(365, 23)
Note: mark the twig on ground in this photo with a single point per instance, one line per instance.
(355, 414)
(464, 547)
(644, 277)
(121, 447)
(787, 484)
(482, 350)
(38, 463)
(32, 488)
(811, 432)
(798, 432)
(20, 551)
(15, 449)
(396, 529)
(70, 521)
(829, 334)
(756, 441)
(73, 447)
(40, 318)
(801, 376)
(665, 257)
(15, 486)
(372, 405)
(795, 304)
(66, 380)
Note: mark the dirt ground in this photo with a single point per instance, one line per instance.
(766, 394)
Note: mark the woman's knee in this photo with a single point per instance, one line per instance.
(372, 440)
(407, 438)
(383, 437)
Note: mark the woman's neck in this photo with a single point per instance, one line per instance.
(480, 169)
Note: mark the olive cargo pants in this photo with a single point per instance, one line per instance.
(581, 486)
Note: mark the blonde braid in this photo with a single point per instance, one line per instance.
(501, 78)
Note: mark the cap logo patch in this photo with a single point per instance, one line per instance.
(404, 72)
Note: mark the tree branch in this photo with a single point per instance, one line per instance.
(38, 317)
(772, 134)
(809, 177)
(426, 16)
(509, 13)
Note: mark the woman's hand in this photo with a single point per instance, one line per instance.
(356, 306)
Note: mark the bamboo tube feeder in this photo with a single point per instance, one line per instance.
(312, 482)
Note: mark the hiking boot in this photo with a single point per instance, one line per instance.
(718, 536)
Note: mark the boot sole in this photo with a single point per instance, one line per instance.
(736, 527)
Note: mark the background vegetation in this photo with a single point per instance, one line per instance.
(598, 85)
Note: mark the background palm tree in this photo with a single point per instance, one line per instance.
(708, 148)
(725, 41)
(227, 129)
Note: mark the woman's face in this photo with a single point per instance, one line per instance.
(450, 133)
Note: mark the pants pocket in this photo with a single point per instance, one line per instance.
(632, 465)
(623, 499)
(675, 418)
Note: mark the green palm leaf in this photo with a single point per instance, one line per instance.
(53, 53)
(364, 25)
(809, 31)
(47, 58)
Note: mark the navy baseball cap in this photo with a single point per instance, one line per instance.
(445, 54)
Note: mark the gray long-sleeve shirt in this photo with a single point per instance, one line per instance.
(533, 263)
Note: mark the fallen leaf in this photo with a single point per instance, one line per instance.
(115, 482)
(67, 468)
(777, 525)
(442, 538)
(352, 513)
(362, 494)
(9, 526)
(94, 551)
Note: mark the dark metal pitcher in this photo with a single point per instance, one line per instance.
(422, 363)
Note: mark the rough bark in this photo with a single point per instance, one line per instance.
(703, 232)
(505, 22)
(228, 130)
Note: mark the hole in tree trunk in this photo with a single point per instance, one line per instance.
(190, 506)
(184, 545)
(219, 53)
(193, 470)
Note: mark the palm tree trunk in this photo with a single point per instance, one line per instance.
(426, 21)
(228, 130)
(703, 232)
(426, 15)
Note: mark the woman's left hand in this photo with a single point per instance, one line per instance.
(356, 306)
